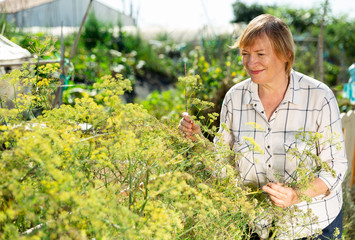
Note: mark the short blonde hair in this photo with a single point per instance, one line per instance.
(278, 33)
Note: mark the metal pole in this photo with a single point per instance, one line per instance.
(321, 44)
(80, 29)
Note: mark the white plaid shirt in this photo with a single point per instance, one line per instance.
(308, 105)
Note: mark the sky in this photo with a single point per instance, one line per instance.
(197, 13)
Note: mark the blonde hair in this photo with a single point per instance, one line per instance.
(278, 33)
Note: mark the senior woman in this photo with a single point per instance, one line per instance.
(284, 102)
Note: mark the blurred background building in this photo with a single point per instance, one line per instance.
(54, 13)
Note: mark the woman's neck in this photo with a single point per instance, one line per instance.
(277, 89)
(271, 95)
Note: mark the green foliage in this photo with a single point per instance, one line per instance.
(165, 105)
(300, 21)
(95, 32)
(214, 76)
(107, 52)
(245, 13)
(339, 42)
(218, 72)
(6, 28)
(40, 81)
(308, 163)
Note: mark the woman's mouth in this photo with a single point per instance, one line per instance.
(254, 72)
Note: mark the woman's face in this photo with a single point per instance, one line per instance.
(262, 63)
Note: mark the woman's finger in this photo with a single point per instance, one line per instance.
(187, 117)
(272, 191)
(185, 124)
(185, 129)
(277, 202)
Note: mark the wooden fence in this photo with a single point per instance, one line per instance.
(348, 122)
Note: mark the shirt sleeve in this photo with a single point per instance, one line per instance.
(225, 132)
(332, 149)
(224, 139)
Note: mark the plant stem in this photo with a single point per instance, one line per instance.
(186, 109)
(130, 183)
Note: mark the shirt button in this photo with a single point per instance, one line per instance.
(268, 146)
(269, 165)
(269, 129)
(255, 105)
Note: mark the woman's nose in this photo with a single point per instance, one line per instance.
(252, 61)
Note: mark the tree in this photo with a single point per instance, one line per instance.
(300, 21)
(95, 31)
(244, 13)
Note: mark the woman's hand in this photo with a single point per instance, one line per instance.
(281, 196)
(285, 196)
(188, 127)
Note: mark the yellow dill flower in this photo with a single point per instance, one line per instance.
(225, 127)
(256, 147)
(255, 125)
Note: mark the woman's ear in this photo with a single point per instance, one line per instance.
(287, 59)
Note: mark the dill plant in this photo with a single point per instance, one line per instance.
(303, 152)
(32, 91)
(124, 176)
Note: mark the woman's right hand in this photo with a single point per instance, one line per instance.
(189, 127)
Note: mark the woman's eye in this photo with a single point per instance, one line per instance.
(261, 54)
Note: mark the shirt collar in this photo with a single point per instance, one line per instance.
(293, 93)
(252, 97)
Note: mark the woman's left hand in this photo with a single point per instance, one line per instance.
(281, 196)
